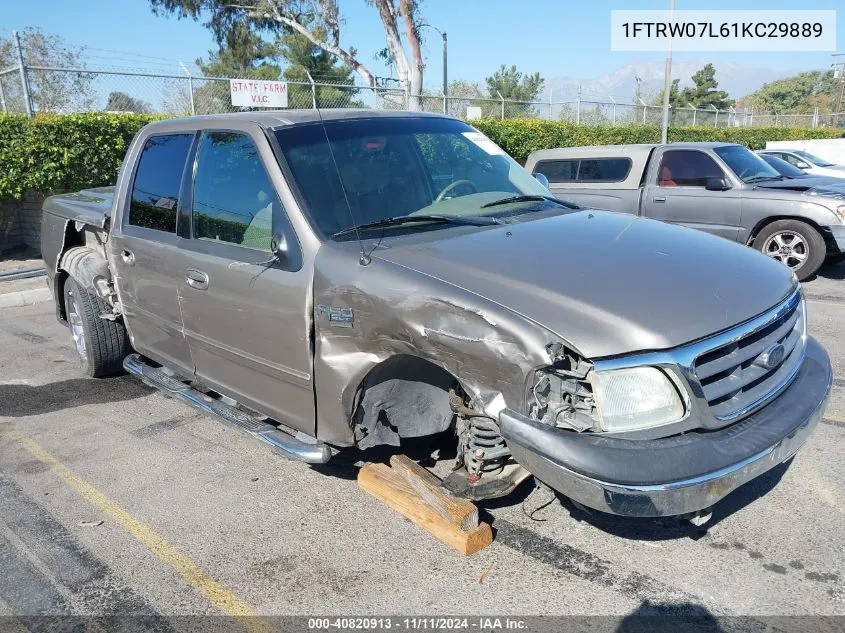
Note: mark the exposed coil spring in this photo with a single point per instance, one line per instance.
(486, 450)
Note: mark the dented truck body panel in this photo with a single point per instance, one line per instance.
(496, 329)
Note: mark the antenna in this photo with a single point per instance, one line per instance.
(365, 258)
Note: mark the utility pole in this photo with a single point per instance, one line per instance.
(445, 66)
(24, 79)
(667, 80)
(839, 73)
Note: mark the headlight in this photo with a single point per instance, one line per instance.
(636, 398)
(840, 211)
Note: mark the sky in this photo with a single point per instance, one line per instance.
(553, 37)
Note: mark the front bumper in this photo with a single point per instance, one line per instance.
(675, 475)
(837, 235)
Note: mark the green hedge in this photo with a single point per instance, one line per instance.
(59, 152)
(62, 152)
(520, 137)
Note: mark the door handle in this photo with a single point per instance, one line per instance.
(196, 279)
(128, 257)
(659, 199)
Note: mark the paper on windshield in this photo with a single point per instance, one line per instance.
(484, 143)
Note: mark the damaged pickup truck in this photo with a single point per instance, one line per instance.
(353, 278)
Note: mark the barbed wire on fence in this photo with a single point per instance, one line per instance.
(65, 90)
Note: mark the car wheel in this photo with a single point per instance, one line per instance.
(795, 244)
(101, 344)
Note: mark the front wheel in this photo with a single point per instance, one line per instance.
(100, 343)
(795, 244)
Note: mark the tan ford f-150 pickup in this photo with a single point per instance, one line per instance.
(353, 278)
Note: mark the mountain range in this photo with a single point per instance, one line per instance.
(737, 80)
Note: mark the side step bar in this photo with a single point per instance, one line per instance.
(312, 452)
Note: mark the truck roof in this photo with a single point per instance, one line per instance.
(630, 150)
(281, 118)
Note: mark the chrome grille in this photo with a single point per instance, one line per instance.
(741, 375)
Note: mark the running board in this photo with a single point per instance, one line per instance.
(312, 452)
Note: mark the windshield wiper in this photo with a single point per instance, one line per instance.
(528, 198)
(764, 178)
(410, 219)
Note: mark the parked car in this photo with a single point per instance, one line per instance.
(807, 162)
(721, 188)
(787, 170)
(357, 278)
(831, 150)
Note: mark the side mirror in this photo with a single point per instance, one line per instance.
(541, 178)
(716, 184)
(802, 165)
(279, 246)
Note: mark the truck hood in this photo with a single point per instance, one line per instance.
(607, 283)
(820, 184)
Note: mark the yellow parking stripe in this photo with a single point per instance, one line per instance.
(220, 597)
(835, 419)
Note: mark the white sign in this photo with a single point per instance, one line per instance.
(257, 93)
(473, 112)
(761, 29)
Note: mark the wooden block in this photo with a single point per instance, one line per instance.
(460, 512)
(424, 504)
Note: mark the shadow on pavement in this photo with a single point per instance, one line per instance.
(669, 528)
(651, 617)
(832, 271)
(24, 400)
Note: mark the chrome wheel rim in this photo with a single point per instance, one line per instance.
(74, 319)
(787, 247)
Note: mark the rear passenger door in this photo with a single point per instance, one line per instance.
(246, 315)
(675, 193)
(144, 251)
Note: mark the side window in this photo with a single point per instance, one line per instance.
(558, 170)
(155, 192)
(792, 159)
(233, 199)
(604, 169)
(686, 168)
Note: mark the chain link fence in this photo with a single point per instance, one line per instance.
(66, 90)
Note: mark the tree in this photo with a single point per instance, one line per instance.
(318, 21)
(304, 60)
(796, 95)
(511, 85)
(122, 102)
(49, 91)
(703, 94)
(463, 94)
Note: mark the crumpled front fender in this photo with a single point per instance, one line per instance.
(364, 315)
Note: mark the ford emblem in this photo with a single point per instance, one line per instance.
(772, 357)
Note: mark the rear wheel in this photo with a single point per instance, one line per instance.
(795, 244)
(100, 343)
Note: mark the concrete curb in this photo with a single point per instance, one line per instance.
(25, 297)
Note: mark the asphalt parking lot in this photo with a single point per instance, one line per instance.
(115, 500)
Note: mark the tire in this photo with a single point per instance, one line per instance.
(794, 243)
(101, 344)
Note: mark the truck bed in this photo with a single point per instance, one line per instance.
(89, 206)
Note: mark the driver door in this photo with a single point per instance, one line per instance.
(675, 193)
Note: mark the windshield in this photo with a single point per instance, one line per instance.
(392, 167)
(746, 164)
(787, 169)
(818, 162)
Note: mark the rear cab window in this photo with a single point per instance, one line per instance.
(158, 178)
(686, 168)
(585, 170)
